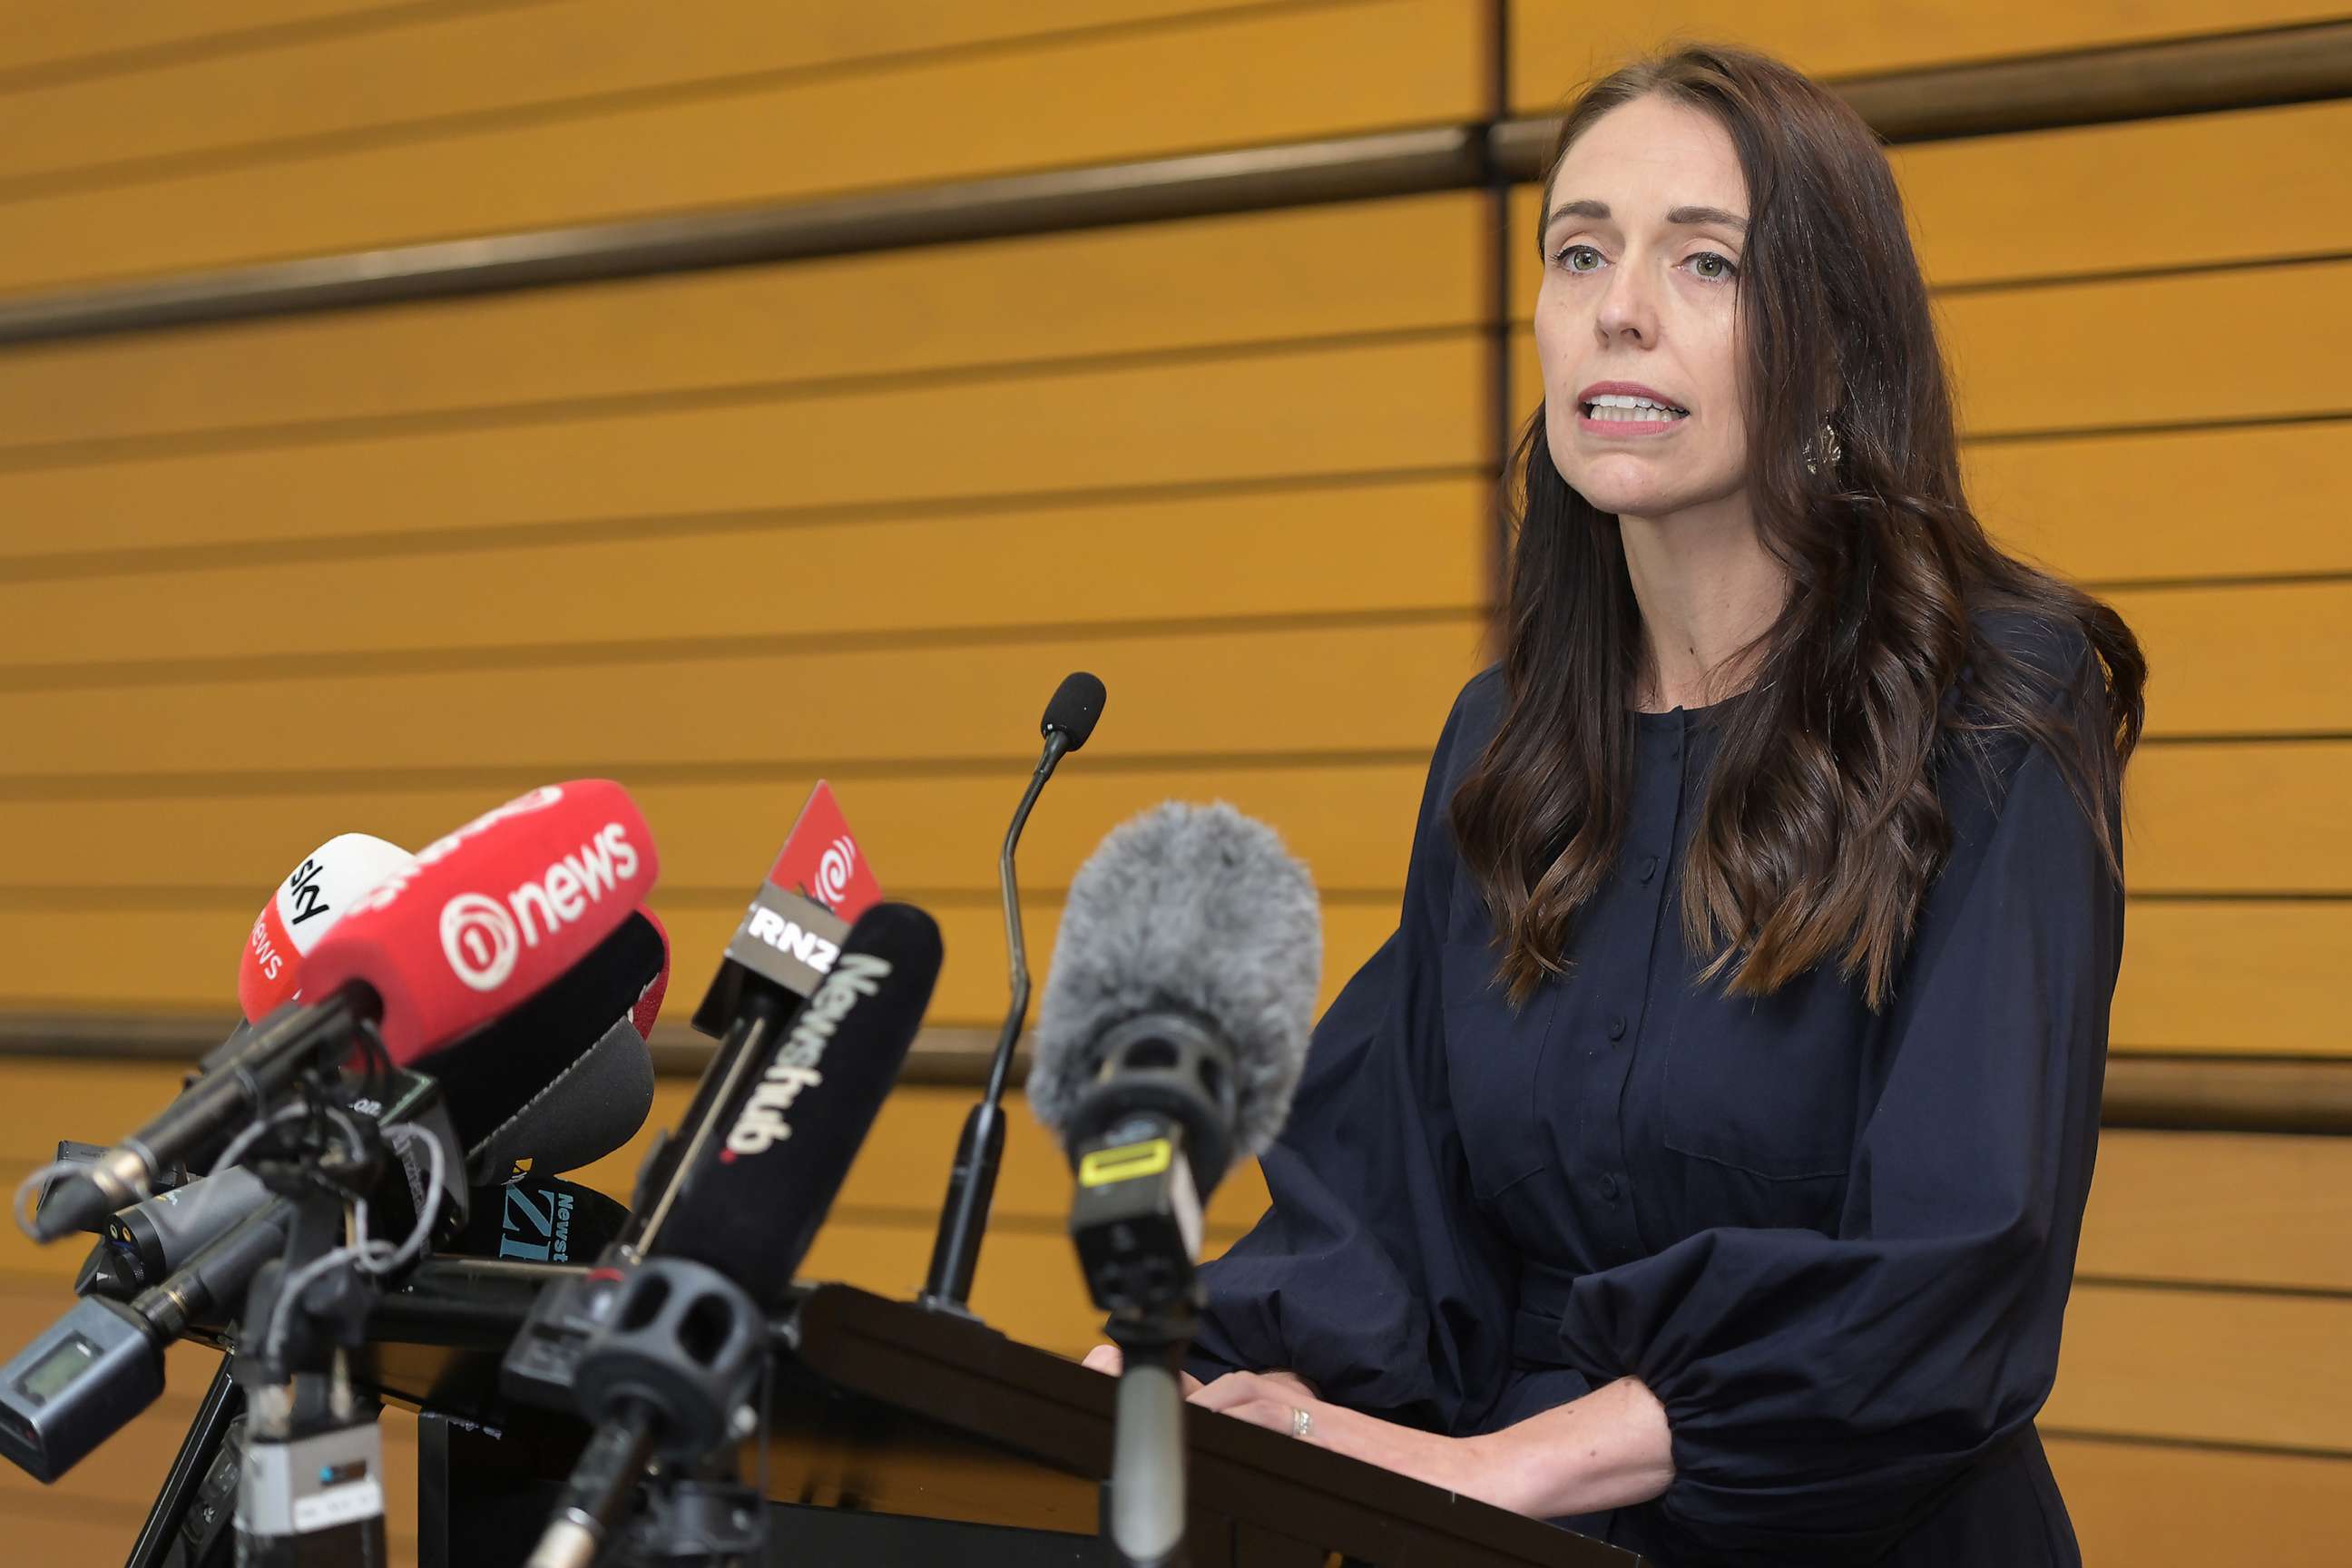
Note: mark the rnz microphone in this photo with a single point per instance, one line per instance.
(751, 1202)
(1171, 1036)
(781, 949)
(487, 917)
(670, 1371)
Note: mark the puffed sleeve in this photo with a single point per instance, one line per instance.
(1824, 1391)
(1370, 1275)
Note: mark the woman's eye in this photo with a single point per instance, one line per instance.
(1578, 259)
(1712, 267)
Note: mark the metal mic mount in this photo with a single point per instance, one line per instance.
(672, 1377)
(1069, 719)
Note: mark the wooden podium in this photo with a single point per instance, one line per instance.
(903, 1436)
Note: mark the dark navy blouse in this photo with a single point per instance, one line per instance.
(1836, 1245)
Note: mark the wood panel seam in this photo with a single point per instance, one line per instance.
(739, 394)
(152, 168)
(265, 667)
(562, 532)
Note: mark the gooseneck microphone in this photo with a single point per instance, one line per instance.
(1172, 1033)
(1070, 719)
(485, 919)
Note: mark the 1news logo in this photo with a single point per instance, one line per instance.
(483, 938)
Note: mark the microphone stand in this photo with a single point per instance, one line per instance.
(972, 1181)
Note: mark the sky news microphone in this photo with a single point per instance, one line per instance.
(1173, 1033)
(306, 907)
(486, 919)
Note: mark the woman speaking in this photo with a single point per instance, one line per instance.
(1702, 1161)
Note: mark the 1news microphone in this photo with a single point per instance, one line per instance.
(1069, 720)
(1173, 1033)
(560, 1082)
(487, 917)
(682, 1333)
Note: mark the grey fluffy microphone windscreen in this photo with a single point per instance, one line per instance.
(1185, 914)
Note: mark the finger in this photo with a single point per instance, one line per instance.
(1273, 1415)
(1192, 1385)
(1105, 1358)
(1234, 1388)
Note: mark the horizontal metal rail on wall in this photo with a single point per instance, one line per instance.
(2205, 1094)
(2276, 66)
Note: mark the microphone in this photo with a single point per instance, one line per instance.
(487, 917)
(751, 1202)
(157, 1235)
(88, 1375)
(566, 1078)
(670, 1364)
(538, 1219)
(306, 907)
(81, 1379)
(1172, 1033)
(781, 950)
(1069, 720)
(560, 1082)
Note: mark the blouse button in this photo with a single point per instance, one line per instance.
(1617, 1026)
(1608, 1187)
(1649, 866)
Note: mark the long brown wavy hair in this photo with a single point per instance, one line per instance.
(1821, 830)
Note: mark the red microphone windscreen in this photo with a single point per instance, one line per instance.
(650, 1001)
(306, 907)
(491, 914)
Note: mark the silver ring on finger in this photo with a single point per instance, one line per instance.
(1302, 1424)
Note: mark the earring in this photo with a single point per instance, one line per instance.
(1831, 452)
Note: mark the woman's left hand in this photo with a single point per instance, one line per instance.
(1457, 1464)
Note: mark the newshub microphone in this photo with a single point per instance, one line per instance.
(1171, 1039)
(788, 938)
(670, 1369)
(751, 1202)
(486, 919)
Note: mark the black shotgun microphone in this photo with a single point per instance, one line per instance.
(1172, 1033)
(669, 1369)
(1070, 719)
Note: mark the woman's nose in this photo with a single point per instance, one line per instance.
(1628, 307)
